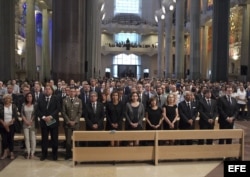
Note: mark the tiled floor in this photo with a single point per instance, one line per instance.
(62, 168)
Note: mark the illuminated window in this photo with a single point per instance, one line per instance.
(123, 59)
(128, 6)
(133, 37)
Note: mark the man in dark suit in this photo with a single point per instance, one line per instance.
(122, 98)
(47, 110)
(71, 113)
(228, 112)
(188, 113)
(37, 94)
(93, 87)
(208, 113)
(59, 88)
(15, 99)
(94, 113)
(143, 96)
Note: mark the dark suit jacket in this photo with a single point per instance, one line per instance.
(53, 110)
(94, 118)
(186, 114)
(227, 110)
(83, 97)
(207, 112)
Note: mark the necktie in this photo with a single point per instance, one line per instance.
(94, 107)
(208, 102)
(47, 102)
(159, 99)
(189, 106)
(37, 96)
(229, 99)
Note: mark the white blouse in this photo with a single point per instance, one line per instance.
(7, 114)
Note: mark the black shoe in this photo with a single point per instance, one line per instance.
(42, 158)
(55, 158)
(67, 157)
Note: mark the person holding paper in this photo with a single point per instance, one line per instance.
(47, 110)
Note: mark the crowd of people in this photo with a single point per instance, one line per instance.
(165, 104)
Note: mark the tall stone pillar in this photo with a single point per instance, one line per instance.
(30, 40)
(221, 9)
(205, 60)
(93, 39)
(7, 39)
(179, 39)
(168, 44)
(68, 39)
(160, 47)
(195, 39)
(46, 64)
(204, 5)
(245, 41)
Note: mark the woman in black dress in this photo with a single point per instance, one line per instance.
(153, 115)
(170, 114)
(114, 114)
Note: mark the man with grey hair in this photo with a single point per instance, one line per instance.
(188, 113)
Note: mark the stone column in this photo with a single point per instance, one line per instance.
(204, 6)
(160, 47)
(168, 44)
(30, 40)
(7, 40)
(179, 39)
(46, 65)
(195, 39)
(68, 42)
(245, 41)
(205, 61)
(221, 9)
(93, 39)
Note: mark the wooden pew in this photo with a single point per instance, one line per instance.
(155, 152)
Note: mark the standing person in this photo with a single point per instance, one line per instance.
(241, 101)
(228, 112)
(188, 113)
(94, 114)
(71, 113)
(114, 114)
(208, 113)
(29, 129)
(134, 115)
(153, 115)
(8, 120)
(248, 102)
(47, 110)
(170, 115)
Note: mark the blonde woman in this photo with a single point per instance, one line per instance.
(170, 115)
(8, 120)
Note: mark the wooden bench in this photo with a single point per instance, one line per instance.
(155, 152)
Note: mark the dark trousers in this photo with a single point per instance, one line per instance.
(228, 141)
(242, 113)
(8, 138)
(206, 127)
(45, 140)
